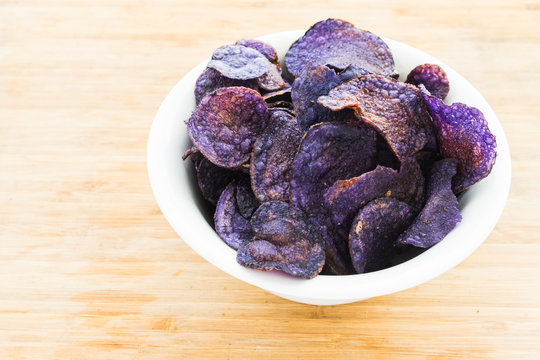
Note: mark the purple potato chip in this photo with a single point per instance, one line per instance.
(260, 255)
(311, 83)
(352, 71)
(239, 62)
(432, 77)
(463, 134)
(230, 225)
(245, 199)
(210, 80)
(278, 95)
(329, 152)
(211, 178)
(345, 197)
(298, 259)
(272, 80)
(338, 43)
(374, 231)
(396, 110)
(272, 156)
(226, 124)
(282, 223)
(440, 213)
(413, 98)
(267, 50)
(285, 240)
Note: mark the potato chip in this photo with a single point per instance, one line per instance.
(211, 80)
(339, 44)
(329, 152)
(350, 71)
(432, 77)
(273, 154)
(463, 134)
(239, 62)
(226, 124)
(440, 213)
(230, 225)
(374, 231)
(271, 80)
(311, 83)
(396, 110)
(286, 240)
(267, 50)
(345, 197)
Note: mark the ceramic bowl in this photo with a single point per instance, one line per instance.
(176, 193)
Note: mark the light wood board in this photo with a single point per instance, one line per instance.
(90, 269)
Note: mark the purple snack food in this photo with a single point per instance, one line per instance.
(374, 231)
(272, 156)
(211, 79)
(298, 259)
(271, 80)
(285, 240)
(267, 50)
(463, 134)
(396, 110)
(230, 225)
(211, 178)
(239, 62)
(311, 83)
(226, 124)
(280, 223)
(440, 213)
(338, 43)
(345, 197)
(329, 152)
(313, 186)
(351, 71)
(432, 77)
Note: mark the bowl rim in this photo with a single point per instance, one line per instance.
(424, 267)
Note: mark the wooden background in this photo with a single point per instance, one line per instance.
(90, 269)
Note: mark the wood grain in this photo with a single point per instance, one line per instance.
(90, 269)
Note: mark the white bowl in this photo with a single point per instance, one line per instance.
(177, 195)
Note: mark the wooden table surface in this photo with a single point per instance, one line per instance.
(89, 267)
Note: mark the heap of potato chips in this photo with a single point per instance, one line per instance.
(332, 165)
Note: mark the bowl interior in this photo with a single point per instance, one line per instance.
(176, 192)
